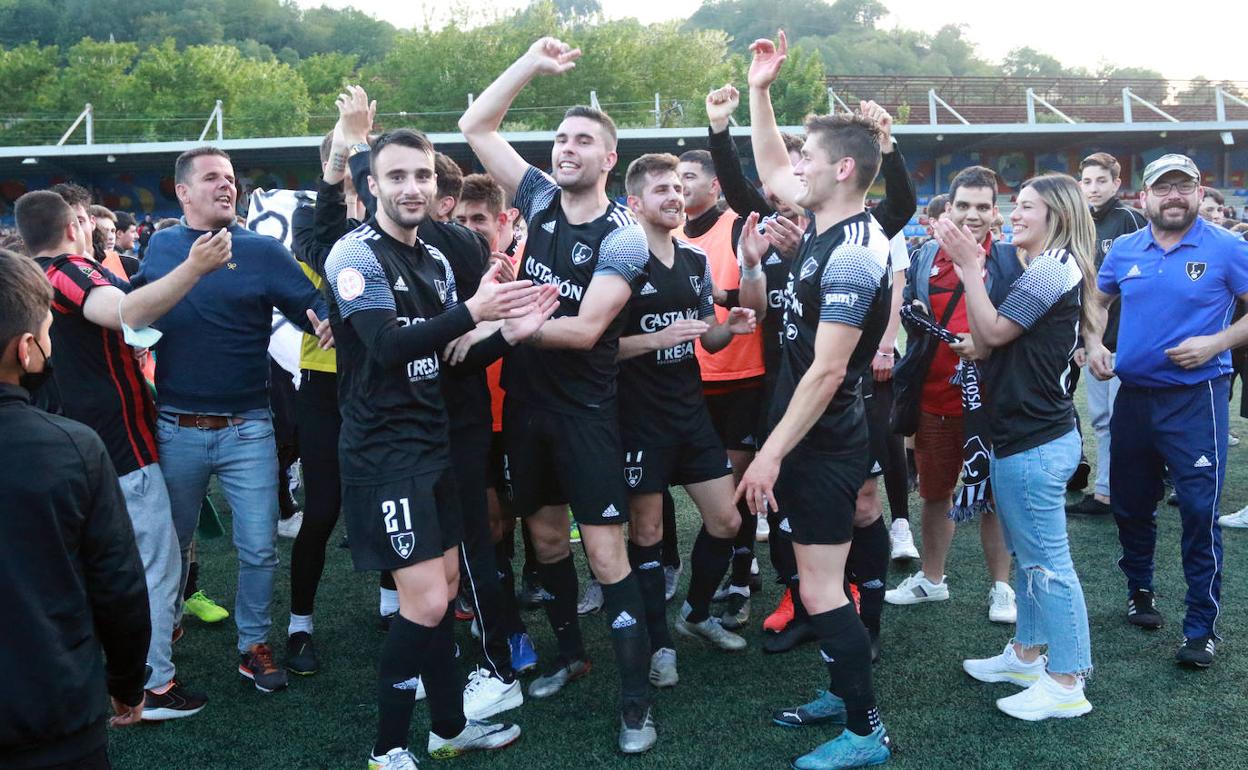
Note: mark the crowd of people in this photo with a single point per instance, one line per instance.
(740, 342)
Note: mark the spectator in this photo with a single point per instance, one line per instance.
(66, 541)
(127, 235)
(1211, 206)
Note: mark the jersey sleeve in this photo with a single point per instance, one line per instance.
(73, 278)
(624, 252)
(357, 278)
(706, 297)
(849, 282)
(534, 193)
(1045, 281)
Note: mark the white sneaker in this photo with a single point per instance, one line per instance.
(289, 528)
(671, 579)
(663, 668)
(395, 759)
(1006, 667)
(1046, 699)
(762, 531)
(1236, 520)
(486, 695)
(711, 631)
(591, 600)
(476, 736)
(1001, 605)
(917, 589)
(1232, 440)
(903, 540)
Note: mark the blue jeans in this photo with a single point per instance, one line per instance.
(244, 459)
(1030, 493)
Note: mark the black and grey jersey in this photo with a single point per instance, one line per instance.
(569, 256)
(776, 275)
(394, 420)
(661, 392)
(843, 276)
(1029, 380)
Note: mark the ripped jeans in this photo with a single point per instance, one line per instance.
(1030, 493)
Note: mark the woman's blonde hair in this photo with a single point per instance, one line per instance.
(1069, 226)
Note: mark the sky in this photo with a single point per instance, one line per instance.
(1214, 51)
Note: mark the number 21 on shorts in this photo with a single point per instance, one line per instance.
(390, 512)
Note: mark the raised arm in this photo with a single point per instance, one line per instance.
(740, 193)
(481, 121)
(900, 201)
(772, 159)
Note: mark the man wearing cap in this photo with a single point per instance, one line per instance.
(1171, 409)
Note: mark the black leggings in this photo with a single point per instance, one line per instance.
(896, 471)
(316, 410)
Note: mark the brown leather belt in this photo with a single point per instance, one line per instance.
(208, 421)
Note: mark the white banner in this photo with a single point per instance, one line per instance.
(270, 213)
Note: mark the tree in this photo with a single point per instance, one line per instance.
(1027, 62)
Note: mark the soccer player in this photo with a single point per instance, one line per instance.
(1171, 409)
(1100, 181)
(812, 465)
(666, 428)
(395, 307)
(560, 421)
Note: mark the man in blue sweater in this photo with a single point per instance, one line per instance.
(212, 384)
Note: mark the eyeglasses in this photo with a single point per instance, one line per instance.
(1162, 189)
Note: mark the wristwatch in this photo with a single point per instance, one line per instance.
(357, 148)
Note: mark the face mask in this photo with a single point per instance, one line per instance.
(147, 337)
(32, 381)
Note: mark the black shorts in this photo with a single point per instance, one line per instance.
(402, 522)
(499, 476)
(557, 459)
(735, 415)
(817, 493)
(879, 431)
(698, 457)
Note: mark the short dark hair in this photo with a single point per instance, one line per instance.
(73, 194)
(852, 136)
(186, 161)
(25, 296)
(937, 205)
(482, 188)
(403, 137)
(973, 176)
(1103, 160)
(596, 115)
(167, 222)
(99, 212)
(450, 176)
(42, 217)
(650, 163)
(701, 157)
(125, 220)
(792, 142)
(1213, 192)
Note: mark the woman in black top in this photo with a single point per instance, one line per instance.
(1032, 336)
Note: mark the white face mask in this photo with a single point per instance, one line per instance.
(146, 337)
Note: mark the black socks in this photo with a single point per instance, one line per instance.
(646, 561)
(406, 648)
(867, 566)
(444, 686)
(671, 547)
(846, 649)
(559, 582)
(626, 614)
(710, 560)
(743, 546)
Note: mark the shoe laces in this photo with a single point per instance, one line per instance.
(476, 680)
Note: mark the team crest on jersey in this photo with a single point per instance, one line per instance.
(581, 253)
(696, 282)
(1195, 270)
(403, 544)
(90, 272)
(632, 473)
(441, 287)
(1105, 244)
(808, 268)
(350, 283)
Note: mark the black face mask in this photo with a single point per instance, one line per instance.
(32, 381)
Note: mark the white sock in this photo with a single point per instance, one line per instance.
(299, 623)
(389, 603)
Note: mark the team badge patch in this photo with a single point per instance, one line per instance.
(696, 282)
(91, 272)
(350, 283)
(441, 287)
(1195, 270)
(581, 253)
(632, 473)
(808, 268)
(403, 543)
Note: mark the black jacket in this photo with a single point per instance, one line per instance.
(73, 588)
(1112, 220)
